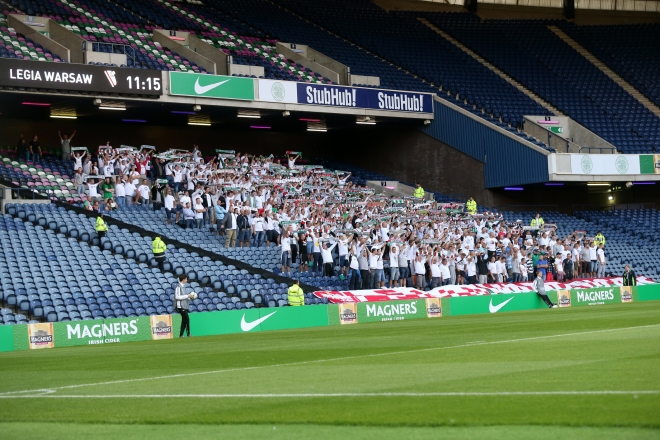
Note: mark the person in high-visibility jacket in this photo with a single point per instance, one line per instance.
(159, 247)
(537, 222)
(419, 192)
(296, 296)
(471, 206)
(599, 239)
(101, 226)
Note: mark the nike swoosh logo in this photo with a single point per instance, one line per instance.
(495, 309)
(247, 326)
(200, 90)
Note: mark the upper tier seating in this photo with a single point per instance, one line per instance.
(629, 50)
(536, 57)
(16, 46)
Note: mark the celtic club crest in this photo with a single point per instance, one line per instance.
(621, 164)
(277, 91)
(587, 165)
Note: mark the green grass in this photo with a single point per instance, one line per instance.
(578, 350)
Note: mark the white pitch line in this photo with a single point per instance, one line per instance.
(324, 395)
(363, 356)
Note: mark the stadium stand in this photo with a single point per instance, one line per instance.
(60, 230)
(113, 28)
(525, 49)
(556, 72)
(630, 50)
(16, 46)
(398, 48)
(124, 276)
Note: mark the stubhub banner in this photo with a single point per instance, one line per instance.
(290, 92)
(356, 97)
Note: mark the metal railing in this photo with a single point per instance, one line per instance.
(125, 49)
(526, 208)
(624, 206)
(597, 150)
(615, 207)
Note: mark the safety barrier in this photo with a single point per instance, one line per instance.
(105, 331)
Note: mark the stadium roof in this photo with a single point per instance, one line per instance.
(607, 5)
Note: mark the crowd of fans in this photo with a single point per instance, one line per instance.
(321, 220)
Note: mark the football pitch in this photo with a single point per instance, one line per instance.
(576, 373)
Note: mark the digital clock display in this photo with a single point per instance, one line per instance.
(139, 83)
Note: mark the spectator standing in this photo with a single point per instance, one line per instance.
(34, 150)
(420, 271)
(120, 193)
(21, 149)
(230, 225)
(569, 267)
(92, 188)
(328, 261)
(130, 190)
(482, 267)
(363, 264)
(394, 267)
(285, 245)
(143, 192)
(188, 216)
(593, 254)
(559, 268)
(79, 180)
(444, 272)
(66, 144)
(199, 213)
(600, 255)
(355, 276)
(108, 189)
(220, 213)
(244, 231)
(168, 202)
(471, 269)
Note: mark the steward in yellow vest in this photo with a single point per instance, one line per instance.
(296, 296)
(101, 226)
(159, 247)
(471, 206)
(419, 192)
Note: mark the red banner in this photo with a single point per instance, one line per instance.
(406, 293)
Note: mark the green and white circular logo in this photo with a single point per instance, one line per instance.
(587, 165)
(621, 164)
(277, 91)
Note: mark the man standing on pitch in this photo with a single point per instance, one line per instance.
(182, 303)
(629, 277)
(539, 287)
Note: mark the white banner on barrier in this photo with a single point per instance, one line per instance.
(278, 91)
(602, 164)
